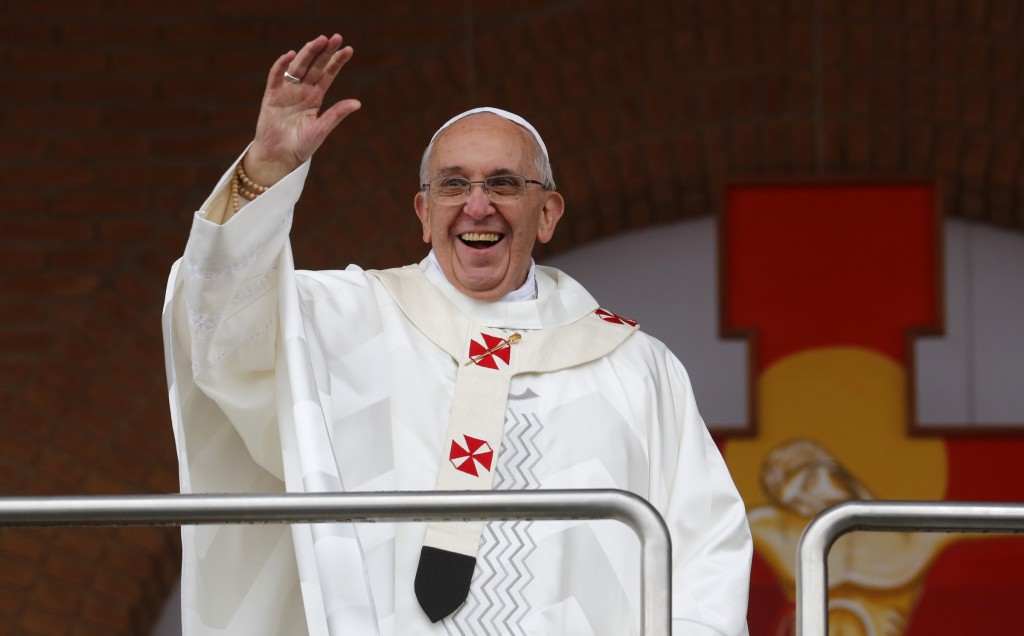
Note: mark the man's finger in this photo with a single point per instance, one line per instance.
(276, 75)
(334, 65)
(305, 57)
(322, 59)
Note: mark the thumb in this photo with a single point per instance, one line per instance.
(330, 118)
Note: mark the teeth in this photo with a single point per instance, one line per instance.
(480, 236)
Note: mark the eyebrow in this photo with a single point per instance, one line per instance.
(450, 170)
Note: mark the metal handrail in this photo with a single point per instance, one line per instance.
(619, 505)
(902, 516)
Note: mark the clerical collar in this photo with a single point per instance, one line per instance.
(527, 292)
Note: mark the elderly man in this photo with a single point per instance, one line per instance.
(474, 369)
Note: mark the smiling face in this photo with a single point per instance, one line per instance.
(484, 249)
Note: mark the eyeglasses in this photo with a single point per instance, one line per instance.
(502, 188)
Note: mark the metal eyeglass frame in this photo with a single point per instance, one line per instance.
(483, 184)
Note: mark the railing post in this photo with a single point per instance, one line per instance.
(892, 516)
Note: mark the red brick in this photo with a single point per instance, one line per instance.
(129, 559)
(771, 41)
(21, 147)
(888, 94)
(157, 8)
(105, 612)
(24, 341)
(60, 467)
(947, 106)
(55, 596)
(948, 51)
(148, 175)
(77, 443)
(16, 572)
(26, 89)
(157, 117)
(22, 31)
(58, 62)
(744, 44)
(48, 176)
(10, 602)
(162, 480)
(152, 540)
(15, 259)
(167, 60)
(100, 258)
(210, 86)
(1005, 159)
(20, 448)
(976, 156)
(1002, 16)
(947, 151)
(123, 32)
(37, 622)
(206, 145)
(53, 118)
(104, 394)
(137, 286)
(715, 46)
(117, 587)
(123, 230)
(49, 284)
(14, 372)
(100, 203)
(101, 485)
(86, 147)
(23, 544)
(889, 146)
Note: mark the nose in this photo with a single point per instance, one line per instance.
(477, 205)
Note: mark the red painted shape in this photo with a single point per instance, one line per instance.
(476, 451)
(615, 319)
(500, 347)
(981, 580)
(473, 443)
(829, 265)
(457, 451)
(985, 469)
(485, 459)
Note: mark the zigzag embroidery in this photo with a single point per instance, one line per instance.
(497, 603)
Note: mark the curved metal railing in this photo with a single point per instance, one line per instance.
(635, 512)
(901, 516)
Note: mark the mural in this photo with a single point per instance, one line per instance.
(827, 391)
(830, 284)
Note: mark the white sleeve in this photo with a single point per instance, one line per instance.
(692, 488)
(221, 337)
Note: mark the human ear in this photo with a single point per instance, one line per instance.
(552, 211)
(423, 212)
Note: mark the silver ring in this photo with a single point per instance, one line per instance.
(291, 78)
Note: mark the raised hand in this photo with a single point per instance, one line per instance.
(291, 126)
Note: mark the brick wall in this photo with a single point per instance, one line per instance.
(117, 117)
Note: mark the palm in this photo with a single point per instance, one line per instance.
(291, 126)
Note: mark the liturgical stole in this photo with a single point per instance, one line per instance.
(487, 358)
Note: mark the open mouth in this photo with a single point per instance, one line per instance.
(480, 240)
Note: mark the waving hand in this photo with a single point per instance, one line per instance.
(291, 125)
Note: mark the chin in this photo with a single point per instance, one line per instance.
(482, 286)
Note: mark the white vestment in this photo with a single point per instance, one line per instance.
(292, 381)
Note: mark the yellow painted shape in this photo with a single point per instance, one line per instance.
(853, 402)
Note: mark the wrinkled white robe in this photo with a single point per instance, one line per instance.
(282, 380)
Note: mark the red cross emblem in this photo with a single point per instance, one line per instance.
(477, 451)
(484, 354)
(608, 316)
